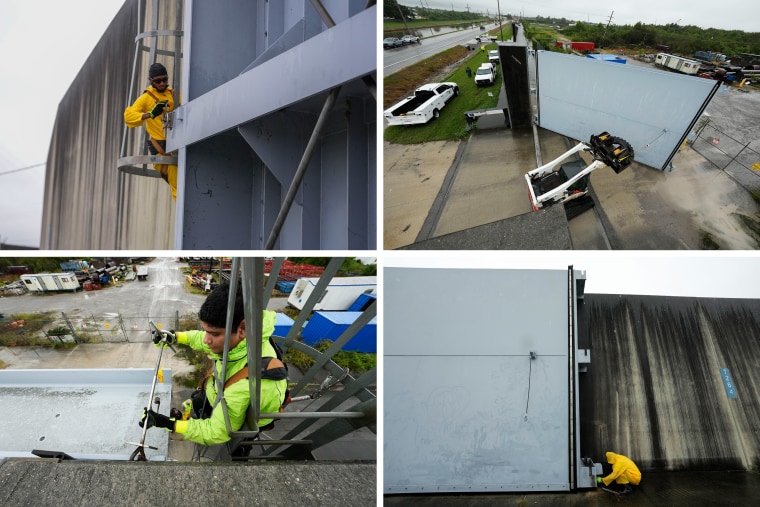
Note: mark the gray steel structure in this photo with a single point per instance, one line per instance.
(651, 109)
(482, 404)
(352, 409)
(275, 133)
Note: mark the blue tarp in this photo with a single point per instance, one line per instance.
(285, 287)
(606, 57)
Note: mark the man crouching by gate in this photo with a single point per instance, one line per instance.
(208, 427)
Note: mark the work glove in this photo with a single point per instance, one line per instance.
(598, 480)
(171, 338)
(156, 419)
(157, 109)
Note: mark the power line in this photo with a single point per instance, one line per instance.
(23, 168)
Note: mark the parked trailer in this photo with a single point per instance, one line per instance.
(51, 282)
(142, 273)
(577, 46)
(677, 63)
(339, 296)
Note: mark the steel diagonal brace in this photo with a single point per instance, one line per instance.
(301, 170)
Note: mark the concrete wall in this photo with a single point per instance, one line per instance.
(654, 390)
(88, 202)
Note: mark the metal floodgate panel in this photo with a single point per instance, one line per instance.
(476, 380)
(84, 413)
(651, 109)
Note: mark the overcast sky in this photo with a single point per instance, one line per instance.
(699, 274)
(43, 45)
(726, 14)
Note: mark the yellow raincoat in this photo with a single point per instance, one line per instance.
(624, 471)
(154, 126)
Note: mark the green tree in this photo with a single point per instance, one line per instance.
(392, 9)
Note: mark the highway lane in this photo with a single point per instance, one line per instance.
(398, 58)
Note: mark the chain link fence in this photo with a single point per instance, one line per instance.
(730, 155)
(92, 328)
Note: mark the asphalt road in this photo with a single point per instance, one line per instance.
(398, 58)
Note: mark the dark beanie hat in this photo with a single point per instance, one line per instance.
(156, 70)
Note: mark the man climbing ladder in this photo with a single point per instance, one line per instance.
(149, 108)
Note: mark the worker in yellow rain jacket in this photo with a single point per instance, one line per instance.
(149, 108)
(624, 472)
(208, 427)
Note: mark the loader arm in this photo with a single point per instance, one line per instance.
(547, 185)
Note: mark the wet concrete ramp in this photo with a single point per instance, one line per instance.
(546, 229)
(49, 482)
(657, 388)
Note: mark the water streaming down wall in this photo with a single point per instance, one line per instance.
(88, 202)
(654, 389)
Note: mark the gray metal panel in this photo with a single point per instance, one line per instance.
(65, 410)
(513, 58)
(335, 180)
(218, 191)
(457, 367)
(651, 109)
(456, 424)
(217, 58)
(469, 311)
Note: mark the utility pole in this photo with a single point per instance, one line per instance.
(403, 18)
(501, 30)
(606, 27)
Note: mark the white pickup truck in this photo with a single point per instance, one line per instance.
(485, 75)
(424, 105)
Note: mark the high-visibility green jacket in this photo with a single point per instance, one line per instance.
(214, 430)
(144, 104)
(624, 470)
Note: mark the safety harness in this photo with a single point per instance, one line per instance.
(272, 368)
